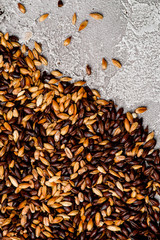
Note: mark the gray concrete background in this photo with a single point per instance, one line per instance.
(129, 31)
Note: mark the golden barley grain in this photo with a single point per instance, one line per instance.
(43, 60)
(37, 47)
(21, 8)
(116, 63)
(104, 63)
(113, 228)
(83, 25)
(74, 19)
(13, 181)
(96, 16)
(43, 17)
(140, 110)
(97, 192)
(56, 73)
(67, 41)
(68, 153)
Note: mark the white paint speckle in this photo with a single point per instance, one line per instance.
(27, 36)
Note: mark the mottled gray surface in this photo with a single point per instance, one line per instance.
(129, 31)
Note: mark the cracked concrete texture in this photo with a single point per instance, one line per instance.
(129, 31)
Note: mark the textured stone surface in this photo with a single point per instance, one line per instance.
(130, 32)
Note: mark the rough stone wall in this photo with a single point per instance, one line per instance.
(129, 31)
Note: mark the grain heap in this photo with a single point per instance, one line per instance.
(72, 166)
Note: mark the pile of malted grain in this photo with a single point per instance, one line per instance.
(72, 166)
